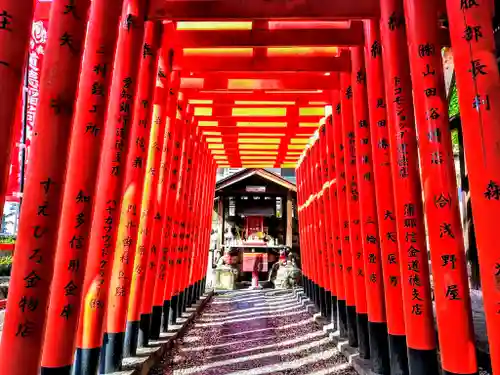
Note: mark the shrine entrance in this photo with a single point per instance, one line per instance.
(256, 222)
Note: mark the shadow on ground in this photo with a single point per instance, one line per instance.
(253, 332)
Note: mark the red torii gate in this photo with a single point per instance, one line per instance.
(136, 134)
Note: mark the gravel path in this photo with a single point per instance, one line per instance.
(254, 332)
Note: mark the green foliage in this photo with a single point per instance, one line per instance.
(7, 239)
(454, 108)
(5, 265)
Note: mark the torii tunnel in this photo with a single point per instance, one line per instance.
(141, 101)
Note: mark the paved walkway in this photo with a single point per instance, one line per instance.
(252, 333)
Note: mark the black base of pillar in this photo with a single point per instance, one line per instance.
(86, 361)
(310, 290)
(379, 348)
(335, 312)
(322, 301)
(328, 305)
(180, 303)
(342, 310)
(131, 339)
(423, 362)
(112, 352)
(203, 286)
(185, 300)
(352, 327)
(144, 326)
(317, 296)
(166, 316)
(189, 296)
(194, 295)
(64, 370)
(173, 308)
(457, 373)
(305, 284)
(398, 355)
(363, 336)
(155, 326)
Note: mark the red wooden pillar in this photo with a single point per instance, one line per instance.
(153, 188)
(417, 303)
(163, 288)
(382, 177)
(305, 210)
(377, 326)
(182, 201)
(139, 328)
(211, 180)
(130, 202)
(176, 247)
(15, 27)
(35, 248)
(334, 218)
(199, 203)
(108, 188)
(149, 235)
(76, 212)
(478, 85)
(302, 235)
(319, 245)
(350, 328)
(196, 226)
(352, 196)
(451, 285)
(312, 226)
(305, 231)
(331, 302)
(152, 303)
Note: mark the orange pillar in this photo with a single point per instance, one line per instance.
(449, 270)
(143, 250)
(478, 84)
(327, 230)
(350, 328)
(408, 214)
(122, 340)
(377, 326)
(153, 192)
(353, 206)
(35, 248)
(15, 27)
(181, 245)
(340, 319)
(76, 213)
(163, 289)
(152, 302)
(108, 189)
(320, 248)
(382, 177)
